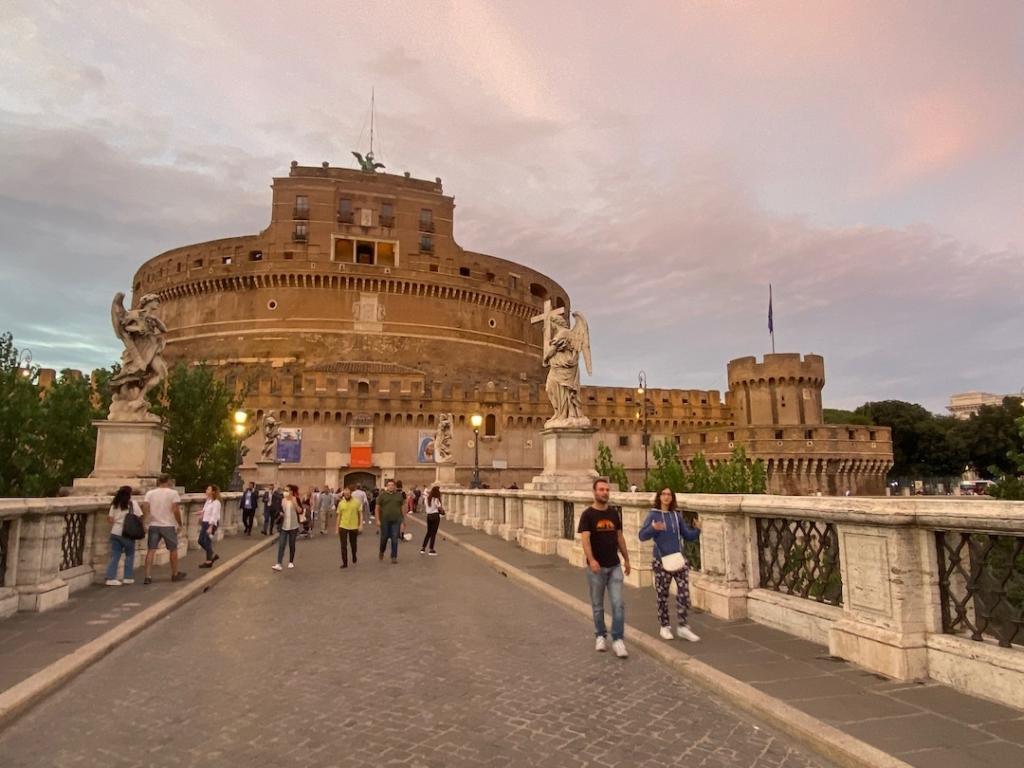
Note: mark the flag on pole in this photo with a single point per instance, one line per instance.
(771, 324)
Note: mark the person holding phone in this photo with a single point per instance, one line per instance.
(666, 526)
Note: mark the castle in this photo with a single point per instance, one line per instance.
(355, 318)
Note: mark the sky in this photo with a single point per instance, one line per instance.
(663, 161)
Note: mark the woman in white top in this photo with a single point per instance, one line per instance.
(434, 512)
(120, 508)
(289, 519)
(208, 527)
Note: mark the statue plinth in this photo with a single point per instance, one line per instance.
(568, 460)
(445, 475)
(127, 453)
(266, 472)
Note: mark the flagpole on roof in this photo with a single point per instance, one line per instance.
(771, 321)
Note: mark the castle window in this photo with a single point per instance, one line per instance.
(344, 211)
(364, 252)
(850, 434)
(363, 388)
(433, 267)
(778, 434)
(179, 266)
(387, 215)
(623, 441)
(289, 255)
(226, 260)
(255, 255)
(703, 437)
(808, 434)
(513, 281)
(538, 290)
(731, 436)
(489, 277)
(301, 207)
(871, 435)
(197, 264)
(490, 425)
(426, 220)
(296, 383)
(426, 244)
(301, 232)
(464, 271)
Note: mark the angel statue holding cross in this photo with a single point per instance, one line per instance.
(563, 346)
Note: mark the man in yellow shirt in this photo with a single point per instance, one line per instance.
(350, 524)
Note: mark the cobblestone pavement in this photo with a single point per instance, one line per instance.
(431, 662)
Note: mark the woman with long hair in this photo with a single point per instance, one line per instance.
(289, 520)
(121, 506)
(434, 512)
(209, 524)
(667, 527)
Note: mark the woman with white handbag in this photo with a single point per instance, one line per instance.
(666, 526)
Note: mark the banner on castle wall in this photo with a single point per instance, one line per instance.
(425, 450)
(289, 445)
(361, 456)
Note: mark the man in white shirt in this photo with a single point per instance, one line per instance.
(360, 494)
(163, 507)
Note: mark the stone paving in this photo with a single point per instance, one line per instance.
(431, 662)
(924, 724)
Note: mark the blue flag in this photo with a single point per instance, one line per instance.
(771, 325)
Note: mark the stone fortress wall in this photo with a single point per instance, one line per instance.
(356, 317)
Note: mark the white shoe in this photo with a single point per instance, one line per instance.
(687, 634)
(619, 648)
(113, 583)
(127, 581)
(291, 565)
(423, 551)
(431, 553)
(277, 567)
(666, 633)
(600, 644)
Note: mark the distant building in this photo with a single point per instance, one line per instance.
(967, 404)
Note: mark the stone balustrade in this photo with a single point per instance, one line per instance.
(908, 588)
(50, 548)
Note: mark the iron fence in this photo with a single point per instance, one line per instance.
(72, 543)
(568, 520)
(800, 557)
(5, 535)
(981, 585)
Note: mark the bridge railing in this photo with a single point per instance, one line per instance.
(907, 587)
(50, 548)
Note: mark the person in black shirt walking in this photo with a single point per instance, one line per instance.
(248, 504)
(600, 529)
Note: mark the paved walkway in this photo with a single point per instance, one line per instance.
(431, 662)
(30, 641)
(928, 725)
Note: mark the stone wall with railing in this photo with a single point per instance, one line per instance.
(909, 588)
(50, 548)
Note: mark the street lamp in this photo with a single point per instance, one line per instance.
(241, 430)
(641, 415)
(476, 420)
(25, 363)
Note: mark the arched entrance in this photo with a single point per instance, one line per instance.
(366, 479)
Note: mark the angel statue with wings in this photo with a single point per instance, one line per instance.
(367, 163)
(142, 363)
(443, 440)
(562, 351)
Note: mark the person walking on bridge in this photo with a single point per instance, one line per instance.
(248, 505)
(600, 529)
(434, 510)
(209, 525)
(289, 521)
(350, 524)
(164, 507)
(390, 514)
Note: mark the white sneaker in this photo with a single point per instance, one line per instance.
(113, 583)
(431, 553)
(277, 567)
(619, 649)
(666, 633)
(291, 565)
(600, 644)
(127, 581)
(687, 634)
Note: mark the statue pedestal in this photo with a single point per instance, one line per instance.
(127, 453)
(568, 460)
(266, 472)
(445, 477)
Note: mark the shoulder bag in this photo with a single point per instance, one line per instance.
(132, 527)
(674, 561)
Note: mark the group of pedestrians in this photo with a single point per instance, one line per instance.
(601, 532)
(163, 506)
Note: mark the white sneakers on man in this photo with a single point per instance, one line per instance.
(666, 633)
(600, 644)
(619, 649)
(685, 633)
(113, 583)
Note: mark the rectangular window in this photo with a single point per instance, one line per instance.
(255, 255)
(808, 434)
(703, 437)
(623, 441)
(365, 217)
(289, 255)
(433, 267)
(850, 434)
(344, 211)
(364, 252)
(464, 271)
(426, 244)
(731, 436)
(871, 435)
(301, 232)
(344, 250)
(426, 220)
(386, 254)
(778, 434)
(197, 264)
(513, 281)
(301, 207)
(387, 215)
(225, 260)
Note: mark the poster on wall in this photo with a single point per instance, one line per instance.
(425, 449)
(289, 445)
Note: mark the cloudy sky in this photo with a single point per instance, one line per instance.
(663, 161)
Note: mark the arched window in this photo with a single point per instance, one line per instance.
(363, 388)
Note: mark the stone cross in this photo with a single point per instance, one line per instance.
(544, 317)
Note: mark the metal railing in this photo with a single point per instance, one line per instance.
(568, 520)
(72, 543)
(800, 558)
(981, 585)
(5, 536)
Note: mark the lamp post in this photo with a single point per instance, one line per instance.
(641, 415)
(25, 363)
(241, 430)
(476, 420)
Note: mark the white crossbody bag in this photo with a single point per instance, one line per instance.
(674, 561)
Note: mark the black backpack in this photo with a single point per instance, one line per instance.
(132, 527)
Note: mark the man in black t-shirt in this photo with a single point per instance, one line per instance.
(600, 529)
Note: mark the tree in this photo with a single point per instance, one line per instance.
(606, 467)
(737, 475)
(20, 412)
(839, 416)
(66, 441)
(199, 448)
(922, 445)
(988, 438)
(1011, 485)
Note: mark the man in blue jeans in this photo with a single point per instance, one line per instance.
(600, 529)
(390, 511)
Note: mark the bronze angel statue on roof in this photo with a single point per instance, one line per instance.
(367, 164)
(562, 356)
(142, 363)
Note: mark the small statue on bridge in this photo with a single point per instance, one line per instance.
(562, 349)
(142, 363)
(271, 430)
(443, 440)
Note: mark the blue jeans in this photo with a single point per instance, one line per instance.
(119, 545)
(287, 538)
(206, 540)
(392, 531)
(609, 579)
